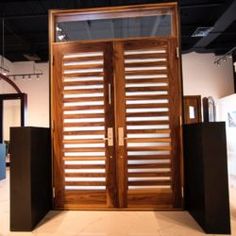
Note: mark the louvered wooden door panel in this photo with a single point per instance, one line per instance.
(149, 132)
(83, 117)
(129, 89)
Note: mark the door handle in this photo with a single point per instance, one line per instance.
(121, 137)
(109, 94)
(109, 137)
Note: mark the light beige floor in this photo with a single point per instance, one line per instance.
(97, 223)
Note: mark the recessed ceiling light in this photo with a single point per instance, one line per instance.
(202, 31)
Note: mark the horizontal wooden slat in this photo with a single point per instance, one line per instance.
(149, 191)
(143, 81)
(152, 200)
(76, 167)
(146, 56)
(147, 89)
(86, 74)
(148, 122)
(83, 91)
(147, 114)
(147, 166)
(147, 72)
(85, 175)
(88, 199)
(148, 140)
(78, 116)
(146, 97)
(149, 148)
(83, 99)
(87, 107)
(90, 149)
(83, 66)
(84, 132)
(149, 157)
(83, 124)
(149, 183)
(146, 64)
(148, 131)
(79, 83)
(82, 59)
(83, 183)
(155, 198)
(83, 158)
(148, 105)
(150, 174)
(86, 141)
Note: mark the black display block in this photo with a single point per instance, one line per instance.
(30, 177)
(206, 177)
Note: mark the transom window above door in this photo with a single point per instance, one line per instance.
(109, 25)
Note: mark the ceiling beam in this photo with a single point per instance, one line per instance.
(223, 44)
(223, 22)
(194, 6)
(13, 17)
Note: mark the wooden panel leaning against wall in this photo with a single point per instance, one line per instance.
(192, 109)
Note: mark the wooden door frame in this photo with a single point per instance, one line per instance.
(120, 121)
(23, 108)
(114, 12)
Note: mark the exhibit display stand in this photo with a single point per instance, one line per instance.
(30, 177)
(206, 177)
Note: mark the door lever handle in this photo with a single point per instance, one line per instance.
(109, 137)
(121, 137)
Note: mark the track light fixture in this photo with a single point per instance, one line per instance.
(36, 73)
(225, 57)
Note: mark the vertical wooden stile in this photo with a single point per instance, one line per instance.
(120, 122)
(110, 122)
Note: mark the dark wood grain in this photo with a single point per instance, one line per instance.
(119, 83)
(146, 97)
(150, 174)
(149, 157)
(115, 69)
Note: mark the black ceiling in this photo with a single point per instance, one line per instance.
(26, 24)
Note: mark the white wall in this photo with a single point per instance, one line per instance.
(227, 105)
(11, 116)
(37, 91)
(5, 87)
(202, 77)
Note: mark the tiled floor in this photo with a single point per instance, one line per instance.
(98, 223)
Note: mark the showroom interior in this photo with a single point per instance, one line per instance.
(117, 117)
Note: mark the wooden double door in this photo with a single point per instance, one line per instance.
(116, 109)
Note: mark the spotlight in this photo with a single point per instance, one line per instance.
(58, 29)
(61, 37)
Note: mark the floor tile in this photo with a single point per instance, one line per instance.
(107, 223)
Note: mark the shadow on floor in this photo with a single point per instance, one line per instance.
(51, 215)
(179, 218)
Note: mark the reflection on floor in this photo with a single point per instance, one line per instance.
(102, 223)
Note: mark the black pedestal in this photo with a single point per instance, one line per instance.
(206, 178)
(30, 177)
